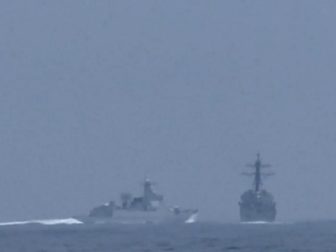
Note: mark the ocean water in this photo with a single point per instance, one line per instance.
(291, 237)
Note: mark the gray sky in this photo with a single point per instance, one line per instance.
(97, 94)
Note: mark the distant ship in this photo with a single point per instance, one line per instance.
(148, 208)
(257, 204)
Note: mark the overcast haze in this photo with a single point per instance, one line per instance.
(95, 95)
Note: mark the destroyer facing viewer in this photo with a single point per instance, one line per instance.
(257, 204)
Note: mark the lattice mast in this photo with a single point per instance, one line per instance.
(258, 174)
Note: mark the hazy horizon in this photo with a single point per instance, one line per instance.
(96, 95)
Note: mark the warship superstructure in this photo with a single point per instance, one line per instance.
(148, 208)
(257, 204)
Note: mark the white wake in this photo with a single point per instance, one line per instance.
(192, 218)
(261, 222)
(68, 221)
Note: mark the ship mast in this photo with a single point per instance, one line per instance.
(258, 174)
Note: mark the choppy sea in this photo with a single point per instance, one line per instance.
(256, 237)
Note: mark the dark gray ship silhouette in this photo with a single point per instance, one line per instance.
(257, 204)
(148, 208)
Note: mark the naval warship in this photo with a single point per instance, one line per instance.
(257, 204)
(148, 208)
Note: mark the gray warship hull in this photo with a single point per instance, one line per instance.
(257, 206)
(148, 208)
(160, 216)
